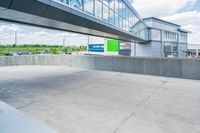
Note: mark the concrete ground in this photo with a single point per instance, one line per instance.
(84, 101)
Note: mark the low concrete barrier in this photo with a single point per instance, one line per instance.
(35, 60)
(169, 67)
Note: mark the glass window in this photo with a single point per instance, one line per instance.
(98, 9)
(170, 36)
(136, 20)
(120, 8)
(123, 10)
(105, 13)
(183, 38)
(131, 17)
(175, 47)
(88, 6)
(111, 17)
(63, 1)
(183, 47)
(165, 35)
(130, 13)
(131, 26)
(111, 4)
(106, 2)
(142, 33)
(124, 23)
(167, 48)
(120, 22)
(170, 49)
(155, 35)
(76, 3)
(126, 15)
(116, 5)
(116, 20)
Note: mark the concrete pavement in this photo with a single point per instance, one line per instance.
(86, 101)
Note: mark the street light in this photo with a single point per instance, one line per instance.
(15, 38)
(64, 41)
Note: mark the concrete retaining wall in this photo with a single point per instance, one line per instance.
(35, 60)
(179, 68)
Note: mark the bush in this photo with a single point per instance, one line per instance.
(53, 51)
(35, 48)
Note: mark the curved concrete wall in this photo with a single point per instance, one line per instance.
(179, 68)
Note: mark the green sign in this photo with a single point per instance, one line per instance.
(112, 46)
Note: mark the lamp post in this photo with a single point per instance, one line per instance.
(64, 41)
(15, 38)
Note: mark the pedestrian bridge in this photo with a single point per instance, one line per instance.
(111, 19)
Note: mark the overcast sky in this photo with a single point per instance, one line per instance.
(36, 35)
(183, 12)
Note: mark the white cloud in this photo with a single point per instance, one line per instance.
(161, 8)
(185, 18)
(189, 21)
(35, 35)
(194, 38)
(9, 28)
(170, 11)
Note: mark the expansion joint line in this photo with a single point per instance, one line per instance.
(141, 107)
(24, 105)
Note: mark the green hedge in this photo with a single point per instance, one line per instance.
(34, 49)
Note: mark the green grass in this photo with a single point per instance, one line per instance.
(35, 48)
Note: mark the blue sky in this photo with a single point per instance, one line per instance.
(191, 8)
(183, 12)
(196, 6)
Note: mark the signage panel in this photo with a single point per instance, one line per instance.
(96, 47)
(112, 45)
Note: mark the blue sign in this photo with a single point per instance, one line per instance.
(96, 47)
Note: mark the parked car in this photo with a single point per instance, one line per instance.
(43, 53)
(26, 53)
(12, 54)
(17, 53)
(61, 53)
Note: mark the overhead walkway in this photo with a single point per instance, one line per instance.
(106, 21)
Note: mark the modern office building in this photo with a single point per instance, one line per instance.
(165, 39)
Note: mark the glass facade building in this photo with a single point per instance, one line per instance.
(170, 43)
(165, 39)
(155, 35)
(114, 12)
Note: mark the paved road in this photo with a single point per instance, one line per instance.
(82, 101)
